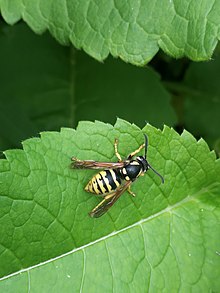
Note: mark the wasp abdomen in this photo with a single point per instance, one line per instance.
(104, 182)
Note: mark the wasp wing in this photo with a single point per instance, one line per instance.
(108, 201)
(90, 164)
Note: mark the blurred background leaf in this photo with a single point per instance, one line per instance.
(45, 86)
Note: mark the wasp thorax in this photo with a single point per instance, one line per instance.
(131, 171)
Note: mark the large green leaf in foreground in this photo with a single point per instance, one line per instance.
(164, 239)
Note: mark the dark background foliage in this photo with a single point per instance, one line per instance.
(45, 86)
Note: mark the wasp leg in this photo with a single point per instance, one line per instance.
(135, 152)
(131, 192)
(76, 159)
(116, 150)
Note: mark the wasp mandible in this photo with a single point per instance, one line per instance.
(116, 178)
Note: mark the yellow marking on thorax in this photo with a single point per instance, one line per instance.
(124, 171)
(140, 173)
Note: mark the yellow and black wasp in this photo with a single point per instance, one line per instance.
(116, 178)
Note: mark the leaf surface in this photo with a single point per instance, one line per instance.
(134, 32)
(164, 239)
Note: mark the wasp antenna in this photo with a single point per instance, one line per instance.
(161, 177)
(146, 145)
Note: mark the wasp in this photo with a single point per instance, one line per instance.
(116, 178)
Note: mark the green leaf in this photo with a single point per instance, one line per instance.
(134, 32)
(164, 239)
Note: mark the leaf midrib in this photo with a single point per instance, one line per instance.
(168, 209)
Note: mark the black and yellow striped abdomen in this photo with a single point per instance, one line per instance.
(104, 182)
